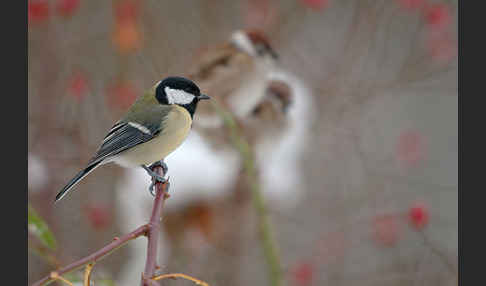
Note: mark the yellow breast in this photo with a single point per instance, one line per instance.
(175, 130)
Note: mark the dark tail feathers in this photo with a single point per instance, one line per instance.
(75, 180)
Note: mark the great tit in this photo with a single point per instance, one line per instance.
(154, 126)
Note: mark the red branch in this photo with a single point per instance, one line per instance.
(116, 243)
(151, 230)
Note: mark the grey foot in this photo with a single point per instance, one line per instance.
(162, 164)
(152, 185)
(156, 177)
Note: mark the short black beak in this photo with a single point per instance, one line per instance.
(203, 96)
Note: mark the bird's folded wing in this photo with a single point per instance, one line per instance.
(132, 130)
(123, 136)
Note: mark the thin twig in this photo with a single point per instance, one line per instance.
(87, 273)
(181, 275)
(151, 230)
(56, 276)
(154, 230)
(268, 241)
(98, 255)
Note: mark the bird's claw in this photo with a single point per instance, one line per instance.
(161, 180)
(162, 164)
(156, 178)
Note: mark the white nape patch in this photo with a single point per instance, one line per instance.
(140, 127)
(241, 40)
(177, 96)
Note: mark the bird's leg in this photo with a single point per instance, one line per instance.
(162, 164)
(156, 177)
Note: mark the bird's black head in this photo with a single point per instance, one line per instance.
(180, 91)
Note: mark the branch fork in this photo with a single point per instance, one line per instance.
(150, 230)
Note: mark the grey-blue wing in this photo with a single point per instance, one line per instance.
(121, 137)
(130, 131)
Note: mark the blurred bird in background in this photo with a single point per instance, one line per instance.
(274, 112)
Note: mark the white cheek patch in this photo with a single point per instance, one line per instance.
(177, 96)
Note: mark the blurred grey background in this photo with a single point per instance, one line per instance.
(377, 200)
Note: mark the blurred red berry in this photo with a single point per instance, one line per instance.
(121, 95)
(38, 11)
(410, 148)
(386, 230)
(438, 16)
(78, 86)
(303, 273)
(316, 4)
(126, 35)
(418, 215)
(67, 8)
(98, 216)
(412, 5)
